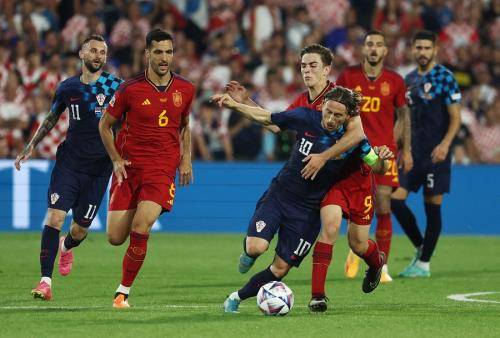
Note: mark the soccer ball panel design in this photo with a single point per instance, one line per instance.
(275, 299)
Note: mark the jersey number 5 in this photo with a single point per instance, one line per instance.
(163, 118)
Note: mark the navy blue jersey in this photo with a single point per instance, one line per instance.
(83, 150)
(311, 138)
(429, 96)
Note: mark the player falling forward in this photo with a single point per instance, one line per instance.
(434, 98)
(290, 205)
(81, 173)
(154, 107)
(383, 94)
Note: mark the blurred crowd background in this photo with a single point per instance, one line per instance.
(255, 42)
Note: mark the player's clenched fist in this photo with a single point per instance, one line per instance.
(119, 169)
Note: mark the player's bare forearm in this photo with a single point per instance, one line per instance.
(404, 121)
(454, 126)
(48, 123)
(186, 141)
(353, 135)
(105, 124)
(256, 114)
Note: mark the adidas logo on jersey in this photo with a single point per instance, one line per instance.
(146, 102)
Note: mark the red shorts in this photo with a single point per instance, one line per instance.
(142, 186)
(354, 195)
(390, 178)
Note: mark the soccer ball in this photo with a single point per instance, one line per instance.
(275, 299)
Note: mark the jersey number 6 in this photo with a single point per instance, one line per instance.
(163, 119)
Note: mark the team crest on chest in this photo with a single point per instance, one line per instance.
(177, 98)
(385, 88)
(100, 98)
(427, 87)
(54, 197)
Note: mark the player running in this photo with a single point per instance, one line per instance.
(153, 143)
(383, 95)
(434, 98)
(81, 174)
(290, 205)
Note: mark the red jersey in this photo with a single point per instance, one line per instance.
(380, 97)
(150, 134)
(303, 99)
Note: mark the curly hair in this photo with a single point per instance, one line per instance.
(349, 98)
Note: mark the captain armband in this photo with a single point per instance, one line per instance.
(371, 158)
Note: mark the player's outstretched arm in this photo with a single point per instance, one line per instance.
(48, 123)
(441, 150)
(353, 136)
(255, 114)
(185, 165)
(105, 124)
(402, 129)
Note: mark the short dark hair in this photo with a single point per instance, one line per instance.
(325, 53)
(424, 35)
(349, 98)
(374, 32)
(157, 35)
(95, 37)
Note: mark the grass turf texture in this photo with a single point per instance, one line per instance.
(186, 277)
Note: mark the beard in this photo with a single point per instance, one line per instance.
(373, 63)
(90, 66)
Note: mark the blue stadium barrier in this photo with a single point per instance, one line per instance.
(223, 197)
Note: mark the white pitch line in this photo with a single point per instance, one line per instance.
(464, 297)
(168, 306)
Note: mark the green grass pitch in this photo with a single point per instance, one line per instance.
(186, 277)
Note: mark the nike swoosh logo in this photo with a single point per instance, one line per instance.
(309, 134)
(73, 99)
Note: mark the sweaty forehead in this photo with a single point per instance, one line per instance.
(424, 43)
(336, 107)
(311, 57)
(95, 44)
(162, 45)
(374, 38)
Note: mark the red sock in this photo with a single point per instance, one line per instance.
(383, 234)
(372, 255)
(134, 257)
(322, 256)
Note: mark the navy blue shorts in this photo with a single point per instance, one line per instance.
(297, 225)
(80, 192)
(434, 177)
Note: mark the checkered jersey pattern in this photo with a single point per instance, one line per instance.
(107, 84)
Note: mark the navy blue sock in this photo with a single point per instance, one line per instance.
(433, 230)
(48, 250)
(252, 287)
(70, 242)
(407, 221)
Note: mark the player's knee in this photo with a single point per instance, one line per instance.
(357, 246)
(116, 240)
(78, 232)
(256, 246)
(280, 270)
(55, 219)
(329, 232)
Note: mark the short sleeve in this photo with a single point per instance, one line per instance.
(451, 90)
(58, 104)
(187, 108)
(290, 119)
(400, 97)
(118, 104)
